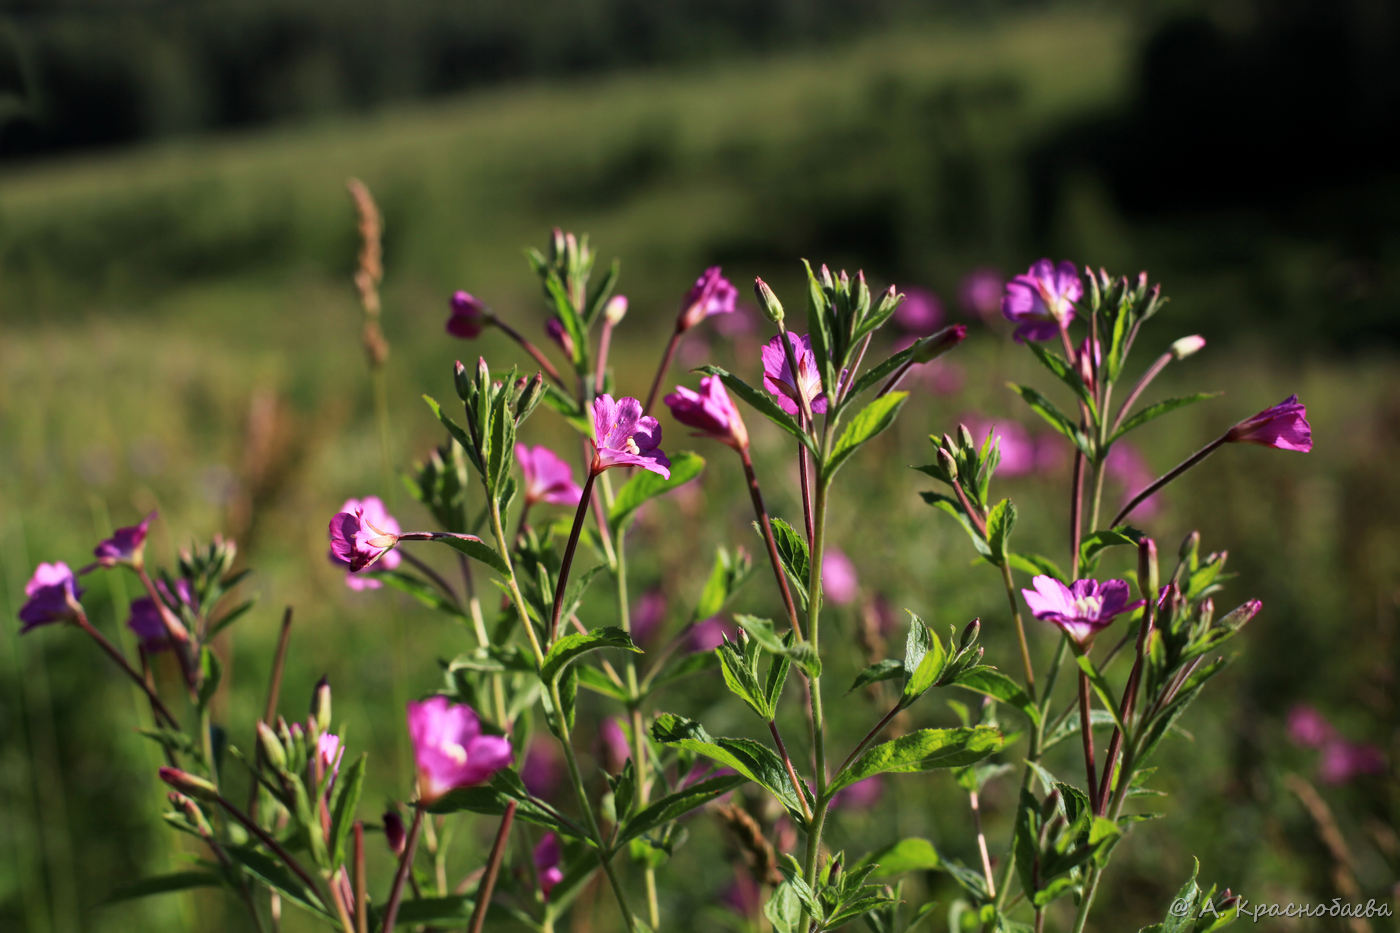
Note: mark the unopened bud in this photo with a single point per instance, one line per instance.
(1240, 616)
(188, 784)
(272, 749)
(824, 276)
(530, 396)
(768, 302)
(460, 381)
(1147, 568)
(321, 705)
(483, 371)
(1186, 346)
(394, 832)
(965, 436)
(560, 335)
(935, 345)
(969, 634)
(615, 310)
(862, 302)
(948, 464)
(556, 244)
(1190, 547)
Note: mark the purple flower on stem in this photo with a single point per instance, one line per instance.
(980, 292)
(329, 751)
(1041, 301)
(1284, 426)
(710, 411)
(626, 437)
(469, 316)
(450, 750)
(547, 857)
(52, 596)
(126, 546)
(1080, 609)
(839, 581)
(612, 745)
(146, 623)
(542, 769)
(547, 477)
(1308, 728)
(711, 294)
(920, 314)
(778, 378)
(361, 533)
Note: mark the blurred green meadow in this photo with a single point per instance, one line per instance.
(179, 331)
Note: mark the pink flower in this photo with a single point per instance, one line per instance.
(126, 546)
(469, 316)
(547, 477)
(52, 593)
(1308, 728)
(450, 750)
(1284, 426)
(778, 378)
(547, 856)
(650, 611)
(1128, 468)
(1041, 302)
(711, 294)
(709, 634)
(542, 769)
(612, 745)
(980, 292)
(146, 621)
(839, 581)
(1018, 450)
(329, 751)
(920, 314)
(862, 795)
(554, 329)
(1081, 609)
(710, 411)
(626, 437)
(361, 533)
(1342, 761)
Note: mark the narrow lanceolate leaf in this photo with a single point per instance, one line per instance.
(473, 547)
(1001, 518)
(1100, 541)
(913, 854)
(458, 434)
(566, 649)
(1064, 372)
(644, 485)
(345, 795)
(877, 374)
(164, 884)
(924, 659)
(753, 760)
(761, 403)
(1102, 688)
(492, 798)
(275, 875)
(1053, 416)
(1157, 410)
(792, 549)
(954, 508)
(675, 805)
(887, 669)
(868, 422)
(922, 750)
(993, 683)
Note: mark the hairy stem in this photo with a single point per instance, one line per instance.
(1167, 477)
(568, 560)
(666, 359)
(493, 867)
(766, 527)
(391, 910)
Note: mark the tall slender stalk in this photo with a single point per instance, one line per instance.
(391, 910)
(493, 868)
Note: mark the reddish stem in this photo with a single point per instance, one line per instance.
(493, 867)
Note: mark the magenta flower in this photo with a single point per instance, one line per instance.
(450, 750)
(649, 613)
(711, 294)
(361, 533)
(612, 745)
(839, 581)
(1041, 302)
(469, 316)
(1018, 449)
(709, 634)
(542, 769)
(778, 378)
(1308, 728)
(547, 477)
(920, 313)
(394, 833)
(1080, 609)
(547, 856)
(146, 623)
(1284, 426)
(1343, 761)
(53, 594)
(980, 292)
(626, 437)
(862, 795)
(1127, 467)
(329, 751)
(710, 411)
(126, 546)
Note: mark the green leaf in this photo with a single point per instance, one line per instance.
(741, 680)
(492, 798)
(1064, 372)
(211, 672)
(345, 795)
(164, 884)
(1100, 541)
(887, 669)
(435, 911)
(753, 760)
(993, 683)
(598, 682)
(458, 434)
(566, 649)
(1035, 564)
(275, 875)
(913, 854)
(473, 547)
(792, 549)
(954, 508)
(1102, 688)
(761, 403)
(924, 659)
(726, 576)
(876, 374)
(1001, 518)
(675, 805)
(1098, 720)
(1157, 410)
(868, 422)
(566, 406)
(1054, 417)
(228, 618)
(922, 750)
(644, 485)
(602, 292)
(423, 592)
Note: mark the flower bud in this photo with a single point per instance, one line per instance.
(460, 381)
(1186, 346)
(272, 749)
(530, 396)
(321, 705)
(767, 301)
(965, 437)
(935, 345)
(394, 832)
(1190, 547)
(969, 634)
(615, 310)
(862, 302)
(1147, 568)
(188, 784)
(556, 331)
(556, 244)
(948, 464)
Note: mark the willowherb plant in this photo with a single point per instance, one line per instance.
(298, 837)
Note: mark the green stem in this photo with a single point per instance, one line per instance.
(814, 605)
